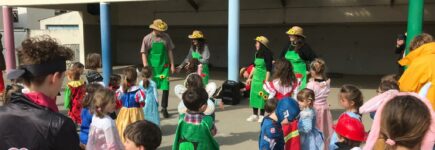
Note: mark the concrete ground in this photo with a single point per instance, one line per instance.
(234, 131)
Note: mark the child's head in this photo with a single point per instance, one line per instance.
(284, 72)
(195, 99)
(350, 131)
(287, 109)
(90, 90)
(194, 80)
(103, 102)
(306, 98)
(75, 71)
(43, 63)
(318, 68)
(405, 120)
(93, 61)
(244, 73)
(142, 135)
(146, 73)
(270, 105)
(420, 40)
(388, 82)
(114, 80)
(351, 97)
(130, 77)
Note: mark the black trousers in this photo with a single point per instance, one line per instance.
(165, 97)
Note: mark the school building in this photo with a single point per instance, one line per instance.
(353, 36)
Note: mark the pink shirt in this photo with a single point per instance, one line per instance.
(321, 90)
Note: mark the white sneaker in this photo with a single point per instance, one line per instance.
(260, 119)
(252, 118)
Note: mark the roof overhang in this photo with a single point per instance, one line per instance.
(39, 3)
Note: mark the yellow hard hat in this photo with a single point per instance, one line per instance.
(296, 30)
(263, 40)
(159, 25)
(196, 34)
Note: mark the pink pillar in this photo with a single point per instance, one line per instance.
(9, 43)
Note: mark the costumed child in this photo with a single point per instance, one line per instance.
(93, 62)
(75, 90)
(350, 133)
(311, 137)
(114, 82)
(142, 135)
(284, 83)
(287, 111)
(351, 99)
(194, 130)
(260, 74)
(103, 133)
(132, 99)
(387, 87)
(321, 85)
(151, 108)
(271, 136)
(244, 73)
(86, 112)
(404, 121)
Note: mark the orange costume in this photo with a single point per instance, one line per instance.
(421, 70)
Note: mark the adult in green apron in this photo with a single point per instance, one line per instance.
(198, 50)
(259, 75)
(298, 53)
(157, 52)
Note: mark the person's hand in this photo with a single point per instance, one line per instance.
(221, 105)
(248, 82)
(172, 69)
(399, 43)
(178, 69)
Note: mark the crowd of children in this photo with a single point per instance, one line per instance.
(288, 97)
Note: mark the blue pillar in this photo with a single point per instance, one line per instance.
(233, 39)
(105, 41)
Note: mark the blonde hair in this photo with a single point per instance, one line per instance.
(306, 94)
(102, 98)
(319, 67)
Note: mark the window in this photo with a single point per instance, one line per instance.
(62, 27)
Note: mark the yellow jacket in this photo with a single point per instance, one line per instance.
(421, 69)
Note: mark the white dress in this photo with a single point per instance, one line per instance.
(103, 135)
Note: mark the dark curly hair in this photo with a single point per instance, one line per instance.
(40, 50)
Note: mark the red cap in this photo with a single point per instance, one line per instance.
(350, 128)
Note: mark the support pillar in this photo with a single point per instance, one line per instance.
(105, 41)
(415, 21)
(233, 39)
(9, 42)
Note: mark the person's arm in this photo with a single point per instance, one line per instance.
(284, 50)
(205, 55)
(144, 51)
(171, 47)
(268, 57)
(67, 137)
(248, 81)
(67, 98)
(186, 60)
(112, 139)
(306, 53)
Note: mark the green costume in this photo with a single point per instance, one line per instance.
(258, 96)
(158, 60)
(299, 66)
(189, 136)
(197, 55)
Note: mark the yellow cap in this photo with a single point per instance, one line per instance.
(263, 40)
(196, 34)
(296, 30)
(159, 25)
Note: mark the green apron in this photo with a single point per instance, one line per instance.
(158, 60)
(198, 56)
(258, 96)
(195, 137)
(299, 66)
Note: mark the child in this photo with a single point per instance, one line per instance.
(32, 120)
(311, 137)
(284, 82)
(132, 99)
(350, 99)
(287, 112)
(194, 81)
(350, 133)
(194, 130)
(75, 90)
(244, 73)
(403, 121)
(93, 62)
(142, 135)
(114, 82)
(86, 112)
(271, 136)
(320, 84)
(103, 133)
(151, 109)
(260, 74)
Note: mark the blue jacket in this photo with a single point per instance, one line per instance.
(271, 135)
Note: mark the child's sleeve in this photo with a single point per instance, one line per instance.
(306, 121)
(67, 98)
(112, 139)
(140, 97)
(155, 93)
